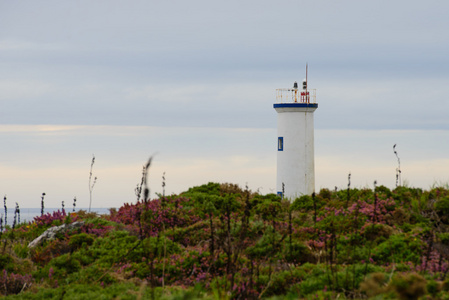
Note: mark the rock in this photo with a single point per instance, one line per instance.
(51, 233)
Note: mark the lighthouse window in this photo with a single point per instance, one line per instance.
(280, 143)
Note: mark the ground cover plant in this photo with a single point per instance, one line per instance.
(222, 241)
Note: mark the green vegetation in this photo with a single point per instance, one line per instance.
(219, 241)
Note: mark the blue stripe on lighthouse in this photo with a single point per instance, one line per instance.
(315, 105)
(280, 143)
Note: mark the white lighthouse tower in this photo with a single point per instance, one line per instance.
(295, 155)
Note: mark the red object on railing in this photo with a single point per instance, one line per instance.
(305, 97)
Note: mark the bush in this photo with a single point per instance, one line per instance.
(42, 255)
(64, 265)
(6, 262)
(409, 286)
(81, 240)
(211, 188)
(399, 248)
(433, 287)
(297, 253)
(304, 202)
(372, 233)
(442, 206)
(11, 283)
(21, 250)
(374, 284)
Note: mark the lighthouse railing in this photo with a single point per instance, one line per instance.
(295, 96)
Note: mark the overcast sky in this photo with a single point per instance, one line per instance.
(194, 82)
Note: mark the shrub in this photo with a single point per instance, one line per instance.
(304, 202)
(373, 232)
(48, 219)
(21, 250)
(81, 240)
(383, 190)
(444, 238)
(399, 248)
(156, 245)
(110, 249)
(374, 284)
(325, 194)
(211, 188)
(442, 206)
(6, 262)
(65, 264)
(264, 247)
(433, 287)
(409, 286)
(297, 253)
(42, 255)
(11, 283)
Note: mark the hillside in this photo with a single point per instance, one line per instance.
(219, 241)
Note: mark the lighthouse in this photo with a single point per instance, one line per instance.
(295, 150)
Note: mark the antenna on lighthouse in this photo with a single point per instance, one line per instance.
(304, 82)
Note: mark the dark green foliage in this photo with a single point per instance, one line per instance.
(379, 232)
(303, 203)
(81, 240)
(65, 264)
(21, 251)
(257, 199)
(297, 253)
(444, 238)
(211, 189)
(325, 194)
(6, 262)
(222, 241)
(409, 286)
(157, 245)
(442, 206)
(266, 246)
(383, 190)
(433, 287)
(399, 248)
(112, 248)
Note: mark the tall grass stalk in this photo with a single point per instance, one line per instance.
(6, 210)
(91, 184)
(42, 204)
(348, 190)
(398, 169)
(16, 216)
(283, 191)
(146, 193)
(139, 187)
(1, 228)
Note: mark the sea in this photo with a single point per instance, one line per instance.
(28, 214)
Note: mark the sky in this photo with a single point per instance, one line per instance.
(192, 83)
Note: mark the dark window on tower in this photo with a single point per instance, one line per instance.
(280, 143)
